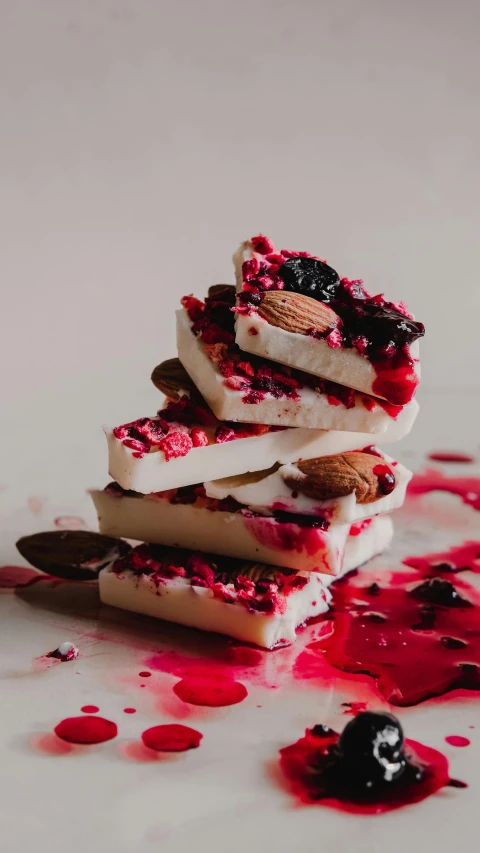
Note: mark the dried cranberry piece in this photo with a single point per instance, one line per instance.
(262, 244)
(198, 567)
(311, 277)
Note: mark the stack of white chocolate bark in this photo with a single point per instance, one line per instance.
(258, 482)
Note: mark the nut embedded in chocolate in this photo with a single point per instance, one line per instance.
(337, 476)
(71, 554)
(294, 312)
(171, 378)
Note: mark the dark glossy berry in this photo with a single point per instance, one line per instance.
(310, 277)
(321, 731)
(372, 744)
(441, 592)
(383, 324)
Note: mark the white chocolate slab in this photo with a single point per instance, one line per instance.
(271, 493)
(196, 607)
(342, 364)
(152, 473)
(233, 534)
(311, 410)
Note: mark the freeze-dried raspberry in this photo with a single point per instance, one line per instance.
(134, 444)
(250, 269)
(199, 582)
(237, 383)
(227, 367)
(176, 444)
(153, 429)
(360, 343)
(242, 582)
(253, 397)
(220, 591)
(199, 437)
(334, 339)
(198, 567)
(246, 368)
(214, 334)
(252, 331)
(262, 244)
(224, 434)
(193, 306)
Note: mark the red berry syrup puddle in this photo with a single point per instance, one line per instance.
(304, 763)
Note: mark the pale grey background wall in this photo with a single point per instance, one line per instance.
(142, 139)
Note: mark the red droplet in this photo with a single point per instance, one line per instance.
(310, 788)
(171, 738)
(16, 576)
(457, 740)
(90, 709)
(144, 674)
(86, 730)
(214, 692)
(129, 710)
(450, 456)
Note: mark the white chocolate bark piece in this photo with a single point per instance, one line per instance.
(151, 472)
(366, 540)
(197, 607)
(312, 409)
(177, 600)
(233, 534)
(342, 365)
(267, 491)
(337, 363)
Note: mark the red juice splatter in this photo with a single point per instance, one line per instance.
(407, 635)
(431, 480)
(86, 730)
(129, 710)
(457, 740)
(450, 456)
(144, 674)
(89, 709)
(12, 577)
(303, 761)
(171, 738)
(213, 692)
(459, 558)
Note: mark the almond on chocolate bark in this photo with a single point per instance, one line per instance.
(171, 378)
(296, 313)
(340, 475)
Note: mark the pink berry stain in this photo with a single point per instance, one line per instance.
(457, 740)
(86, 730)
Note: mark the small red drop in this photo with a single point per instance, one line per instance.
(457, 740)
(171, 738)
(90, 709)
(86, 730)
(214, 692)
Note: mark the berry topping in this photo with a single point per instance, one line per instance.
(311, 277)
(370, 750)
(176, 444)
(386, 478)
(441, 592)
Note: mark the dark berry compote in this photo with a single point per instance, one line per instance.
(379, 330)
(369, 768)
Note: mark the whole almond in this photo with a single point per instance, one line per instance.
(295, 312)
(171, 378)
(337, 476)
(71, 554)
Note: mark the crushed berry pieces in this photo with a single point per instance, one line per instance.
(176, 444)
(262, 245)
(199, 437)
(223, 434)
(376, 328)
(193, 306)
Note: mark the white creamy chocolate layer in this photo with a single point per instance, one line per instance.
(312, 409)
(152, 472)
(338, 364)
(152, 518)
(267, 491)
(176, 600)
